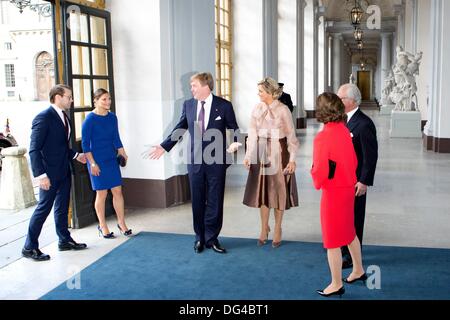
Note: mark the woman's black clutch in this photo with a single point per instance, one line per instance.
(332, 169)
(121, 160)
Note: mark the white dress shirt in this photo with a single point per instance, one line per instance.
(208, 105)
(350, 114)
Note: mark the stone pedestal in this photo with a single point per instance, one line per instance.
(299, 117)
(386, 110)
(406, 124)
(16, 190)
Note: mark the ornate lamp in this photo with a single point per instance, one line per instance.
(356, 14)
(358, 34)
(360, 44)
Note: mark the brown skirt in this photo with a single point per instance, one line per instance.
(266, 184)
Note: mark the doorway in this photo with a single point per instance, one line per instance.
(364, 84)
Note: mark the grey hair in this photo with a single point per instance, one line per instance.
(353, 92)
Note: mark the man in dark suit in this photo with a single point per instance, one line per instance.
(286, 98)
(51, 157)
(205, 116)
(364, 137)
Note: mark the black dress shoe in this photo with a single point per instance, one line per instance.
(362, 278)
(198, 246)
(347, 263)
(339, 293)
(35, 254)
(71, 245)
(217, 248)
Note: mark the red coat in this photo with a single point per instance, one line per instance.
(338, 194)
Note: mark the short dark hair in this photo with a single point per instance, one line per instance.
(99, 92)
(205, 78)
(330, 108)
(58, 90)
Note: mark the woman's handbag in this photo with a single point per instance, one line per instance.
(121, 160)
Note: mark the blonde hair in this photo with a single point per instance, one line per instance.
(204, 78)
(271, 87)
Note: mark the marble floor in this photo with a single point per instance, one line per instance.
(408, 206)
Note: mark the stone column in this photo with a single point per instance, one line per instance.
(316, 49)
(270, 38)
(16, 188)
(337, 56)
(400, 13)
(415, 25)
(437, 129)
(301, 114)
(385, 59)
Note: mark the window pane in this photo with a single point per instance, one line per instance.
(100, 62)
(80, 60)
(101, 84)
(98, 30)
(79, 119)
(78, 27)
(82, 93)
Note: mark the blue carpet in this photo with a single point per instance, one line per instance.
(163, 266)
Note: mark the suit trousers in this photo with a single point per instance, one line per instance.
(59, 197)
(360, 215)
(207, 192)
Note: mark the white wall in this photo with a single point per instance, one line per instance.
(156, 50)
(424, 45)
(248, 58)
(137, 80)
(287, 48)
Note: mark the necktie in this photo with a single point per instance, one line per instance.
(201, 117)
(66, 125)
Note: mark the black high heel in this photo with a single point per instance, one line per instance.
(362, 278)
(127, 233)
(339, 293)
(106, 236)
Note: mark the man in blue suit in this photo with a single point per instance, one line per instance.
(51, 158)
(207, 117)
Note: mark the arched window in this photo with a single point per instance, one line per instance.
(224, 61)
(45, 75)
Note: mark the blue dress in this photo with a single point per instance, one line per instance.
(100, 136)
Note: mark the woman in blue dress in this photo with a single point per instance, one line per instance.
(101, 144)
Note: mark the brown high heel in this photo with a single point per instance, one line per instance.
(263, 242)
(276, 244)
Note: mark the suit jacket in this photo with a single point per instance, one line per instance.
(286, 100)
(366, 146)
(222, 117)
(49, 149)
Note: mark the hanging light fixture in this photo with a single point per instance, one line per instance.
(356, 14)
(362, 62)
(358, 34)
(360, 44)
(44, 9)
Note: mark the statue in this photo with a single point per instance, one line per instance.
(404, 74)
(389, 84)
(351, 79)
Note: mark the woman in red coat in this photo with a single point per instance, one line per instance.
(334, 171)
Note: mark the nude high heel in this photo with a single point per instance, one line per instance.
(264, 241)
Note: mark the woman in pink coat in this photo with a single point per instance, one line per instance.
(334, 172)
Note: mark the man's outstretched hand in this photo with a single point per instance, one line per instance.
(155, 153)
